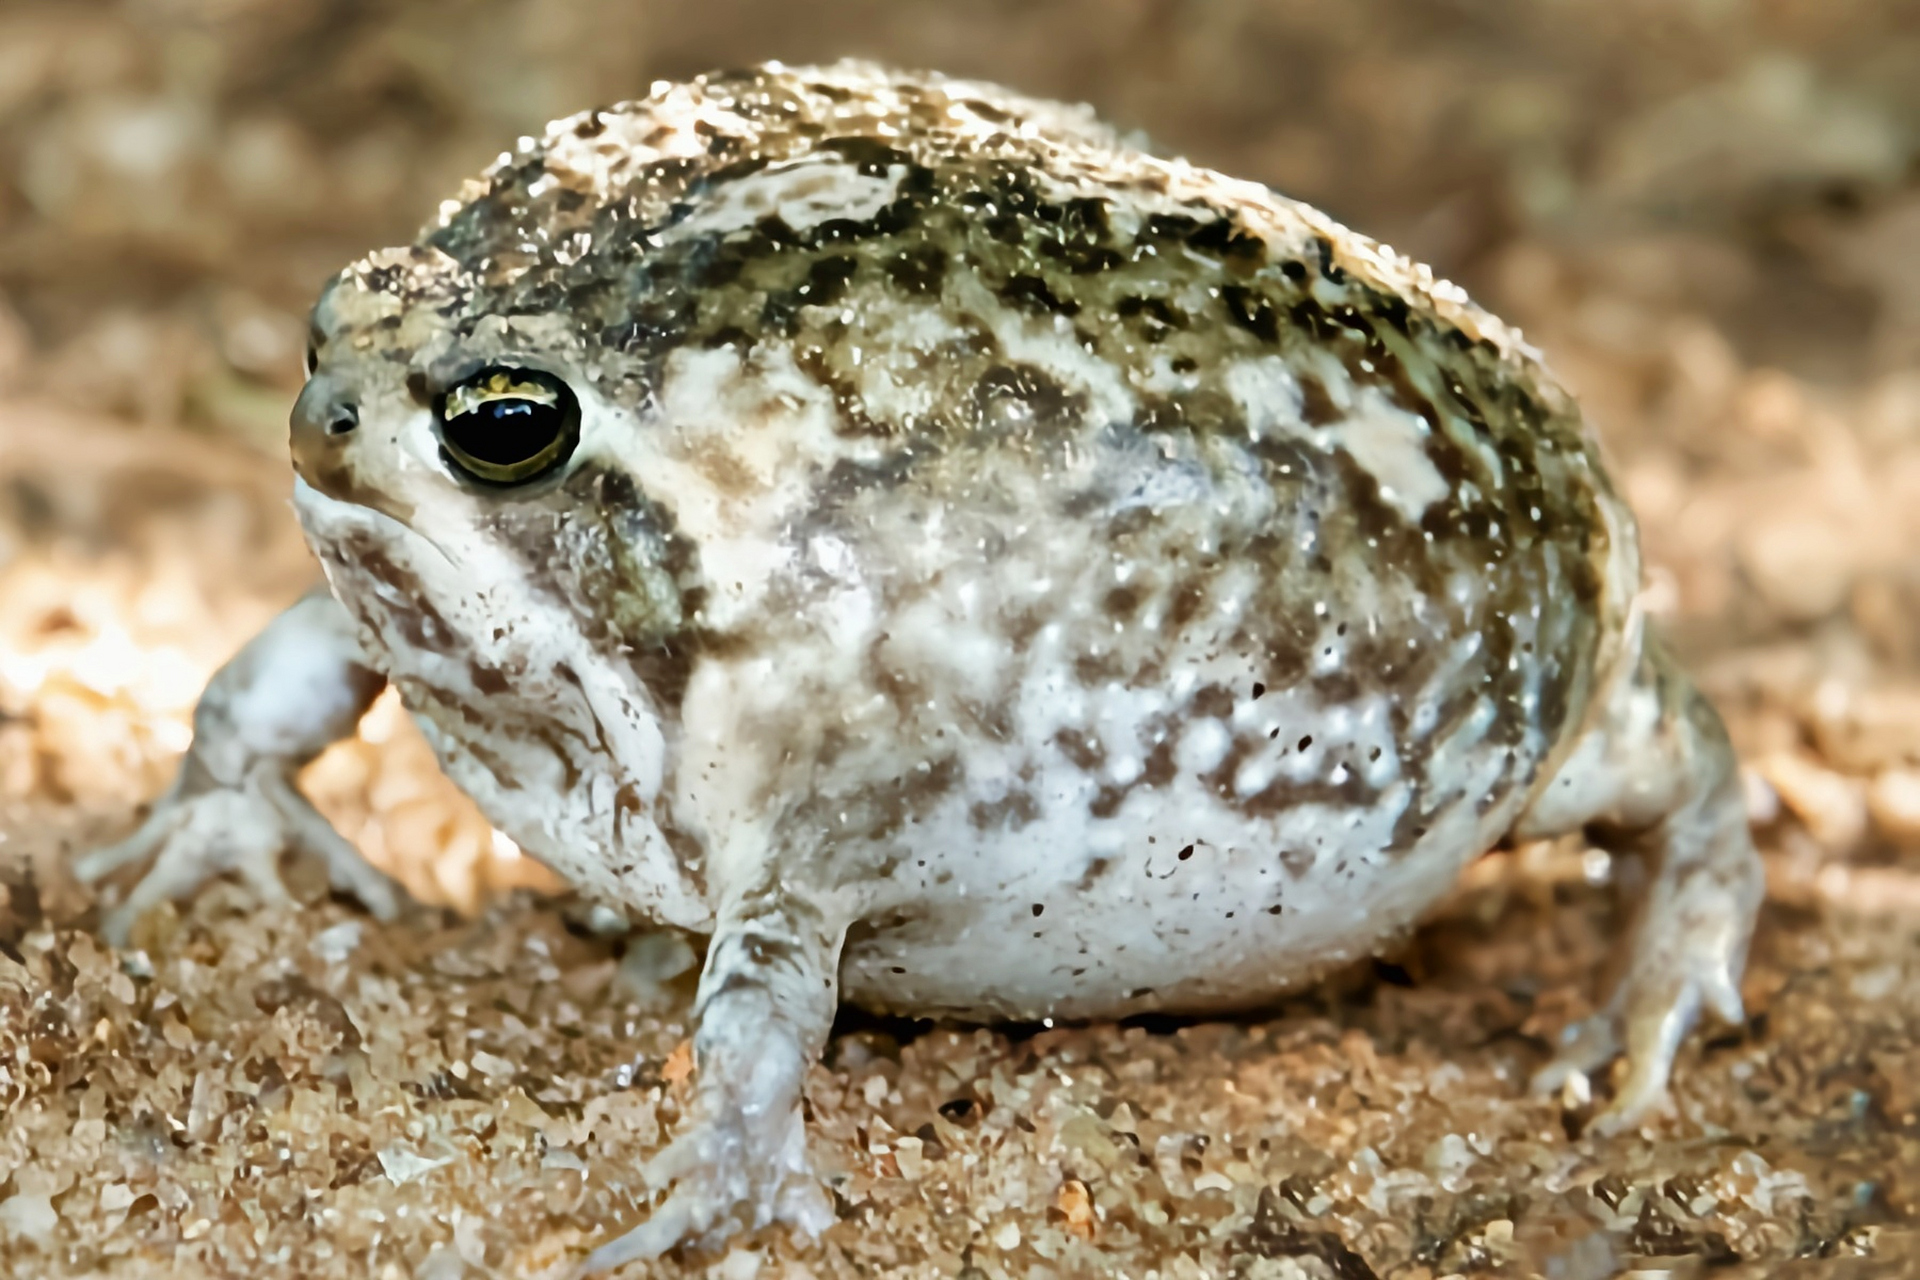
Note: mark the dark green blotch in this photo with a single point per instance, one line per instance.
(1086, 217)
(1391, 308)
(1031, 293)
(1226, 239)
(1251, 312)
(840, 231)
(1007, 229)
(827, 280)
(1171, 226)
(986, 111)
(1317, 406)
(1328, 268)
(1158, 318)
(1084, 259)
(1309, 317)
(775, 230)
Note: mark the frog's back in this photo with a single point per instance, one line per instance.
(1107, 513)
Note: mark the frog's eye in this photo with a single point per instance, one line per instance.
(508, 426)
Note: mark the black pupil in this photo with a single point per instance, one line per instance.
(505, 432)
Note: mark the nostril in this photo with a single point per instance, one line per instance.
(344, 419)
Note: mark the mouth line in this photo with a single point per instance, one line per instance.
(325, 509)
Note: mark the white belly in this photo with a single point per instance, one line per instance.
(1174, 903)
(1088, 850)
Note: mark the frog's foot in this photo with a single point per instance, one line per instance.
(729, 1173)
(1656, 776)
(1656, 1006)
(202, 828)
(766, 1004)
(1686, 954)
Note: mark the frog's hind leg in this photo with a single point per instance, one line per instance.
(1655, 774)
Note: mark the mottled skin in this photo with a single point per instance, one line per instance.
(1002, 573)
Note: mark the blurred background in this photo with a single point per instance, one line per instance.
(1706, 212)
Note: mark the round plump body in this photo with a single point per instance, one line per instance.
(1119, 587)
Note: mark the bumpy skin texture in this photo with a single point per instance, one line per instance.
(1002, 573)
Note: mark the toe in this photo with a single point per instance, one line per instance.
(1657, 1021)
(347, 868)
(261, 871)
(117, 925)
(681, 1217)
(138, 847)
(351, 873)
(1721, 994)
(180, 867)
(804, 1205)
(1586, 1046)
(680, 1158)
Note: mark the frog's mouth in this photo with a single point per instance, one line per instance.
(334, 525)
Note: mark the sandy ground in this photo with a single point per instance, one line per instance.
(1707, 214)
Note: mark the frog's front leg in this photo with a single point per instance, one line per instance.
(294, 689)
(1656, 775)
(766, 1002)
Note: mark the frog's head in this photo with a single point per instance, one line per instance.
(479, 464)
(414, 404)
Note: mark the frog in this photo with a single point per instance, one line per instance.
(967, 564)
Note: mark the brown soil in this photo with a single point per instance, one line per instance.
(1707, 214)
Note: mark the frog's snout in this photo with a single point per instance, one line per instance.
(323, 422)
(324, 432)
